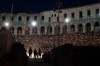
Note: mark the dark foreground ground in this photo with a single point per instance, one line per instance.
(38, 62)
(66, 55)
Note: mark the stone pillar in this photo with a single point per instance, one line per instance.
(15, 31)
(60, 30)
(53, 31)
(38, 31)
(30, 31)
(99, 28)
(23, 31)
(92, 27)
(76, 28)
(45, 30)
(68, 28)
(84, 29)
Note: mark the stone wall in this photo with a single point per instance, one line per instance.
(6, 41)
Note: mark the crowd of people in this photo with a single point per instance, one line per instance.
(49, 41)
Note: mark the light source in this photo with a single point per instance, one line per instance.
(67, 20)
(33, 23)
(6, 24)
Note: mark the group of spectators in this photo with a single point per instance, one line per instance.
(37, 53)
(49, 41)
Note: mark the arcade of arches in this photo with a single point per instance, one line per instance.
(88, 27)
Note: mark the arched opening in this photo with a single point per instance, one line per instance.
(3, 28)
(19, 31)
(72, 28)
(27, 30)
(34, 30)
(49, 30)
(64, 29)
(57, 30)
(96, 26)
(88, 27)
(80, 28)
(12, 30)
(42, 30)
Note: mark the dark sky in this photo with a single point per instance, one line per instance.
(31, 6)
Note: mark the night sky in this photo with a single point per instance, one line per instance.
(32, 6)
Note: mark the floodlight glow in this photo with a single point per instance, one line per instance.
(67, 20)
(32, 56)
(34, 23)
(6, 24)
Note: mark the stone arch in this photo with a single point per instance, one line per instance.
(3, 28)
(72, 28)
(64, 29)
(27, 30)
(12, 29)
(34, 30)
(42, 30)
(57, 30)
(96, 26)
(88, 27)
(80, 28)
(19, 31)
(49, 30)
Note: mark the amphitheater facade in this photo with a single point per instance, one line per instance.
(81, 19)
(77, 19)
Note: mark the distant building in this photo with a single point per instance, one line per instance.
(79, 19)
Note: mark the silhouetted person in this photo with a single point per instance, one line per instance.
(39, 52)
(30, 51)
(35, 53)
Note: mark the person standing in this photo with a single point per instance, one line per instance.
(35, 53)
(30, 51)
(39, 52)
